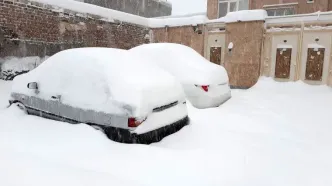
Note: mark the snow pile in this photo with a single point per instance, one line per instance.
(13, 66)
(98, 78)
(177, 21)
(272, 134)
(183, 62)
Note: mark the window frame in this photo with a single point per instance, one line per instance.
(275, 9)
(228, 2)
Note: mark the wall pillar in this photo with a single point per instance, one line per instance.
(243, 61)
(212, 9)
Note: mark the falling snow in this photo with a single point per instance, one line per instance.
(272, 134)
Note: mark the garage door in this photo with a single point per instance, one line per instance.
(283, 63)
(315, 64)
(215, 55)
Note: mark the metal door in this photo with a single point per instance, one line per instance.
(315, 64)
(215, 55)
(283, 63)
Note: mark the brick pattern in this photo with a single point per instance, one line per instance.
(33, 29)
(182, 35)
(212, 9)
(243, 63)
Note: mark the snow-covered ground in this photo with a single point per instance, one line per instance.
(273, 134)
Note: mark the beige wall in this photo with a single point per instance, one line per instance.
(215, 40)
(299, 41)
(292, 40)
(325, 41)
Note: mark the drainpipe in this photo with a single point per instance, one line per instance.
(262, 51)
(298, 65)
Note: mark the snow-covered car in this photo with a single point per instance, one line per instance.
(205, 83)
(102, 87)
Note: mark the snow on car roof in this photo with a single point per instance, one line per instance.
(102, 75)
(183, 62)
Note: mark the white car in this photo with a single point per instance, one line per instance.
(102, 87)
(205, 83)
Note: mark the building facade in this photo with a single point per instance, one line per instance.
(219, 8)
(144, 8)
(290, 7)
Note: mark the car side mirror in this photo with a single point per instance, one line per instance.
(33, 85)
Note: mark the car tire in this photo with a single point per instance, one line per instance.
(21, 106)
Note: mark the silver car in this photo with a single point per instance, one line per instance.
(103, 88)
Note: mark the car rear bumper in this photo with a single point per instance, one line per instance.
(205, 101)
(125, 136)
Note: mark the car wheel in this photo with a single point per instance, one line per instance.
(98, 128)
(21, 106)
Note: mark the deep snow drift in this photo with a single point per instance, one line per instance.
(273, 134)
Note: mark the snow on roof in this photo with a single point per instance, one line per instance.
(171, 21)
(243, 15)
(177, 21)
(107, 13)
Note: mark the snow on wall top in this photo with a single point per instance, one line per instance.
(109, 14)
(112, 15)
(177, 21)
(243, 15)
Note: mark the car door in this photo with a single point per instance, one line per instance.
(43, 104)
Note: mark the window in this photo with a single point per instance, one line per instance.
(280, 11)
(226, 6)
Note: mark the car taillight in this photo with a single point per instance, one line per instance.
(205, 88)
(133, 122)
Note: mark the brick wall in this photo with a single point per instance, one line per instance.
(243, 63)
(302, 8)
(35, 30)
(183, 35)
(212, 9)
